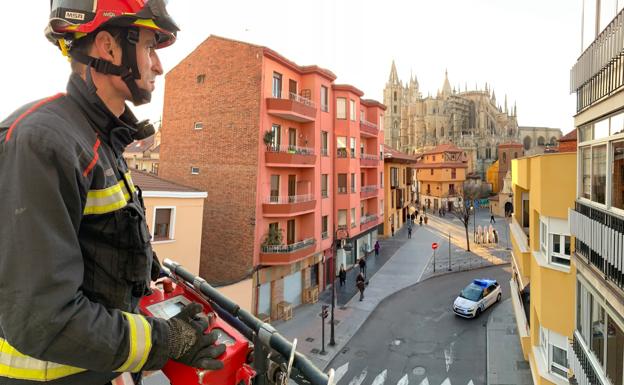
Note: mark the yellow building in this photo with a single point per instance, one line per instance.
(399, 189)
(441, 173)
(543, 277)
(491, 176)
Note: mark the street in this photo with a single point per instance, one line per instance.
(414, 337)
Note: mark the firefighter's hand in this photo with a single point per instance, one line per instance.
(187, 342)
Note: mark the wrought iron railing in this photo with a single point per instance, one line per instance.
(289, 199)
(582, 364)
(369, 156)
(368, 218)
(370, 188)
(288, 248)
(366, 123)
(290, 149)
(600, 240)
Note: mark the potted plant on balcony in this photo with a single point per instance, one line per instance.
(274, 237)
(268, 140)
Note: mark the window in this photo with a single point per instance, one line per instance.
(559, 361)
(324, 96)
(341, 146)
(324, 151)
(163, 223)
(194, 170)
(394, 109)
(381, 152)
(198, 125)
(342, 183)
(586, 172)
(352, 147)
(560, 249)
(353, 217)
(362, 178)
(395, 96)
(431, 171)
(324, 233)
(277, 85)
(394, 177)
(543, 237)
(451, 189)
(352, 109)
(599, 173)
(201, 78)
(275, 182)
(277, 137)
(428, 189)
(381, 179)
(504, 157)
(381, 208)
(341, 108)
(352, 182)
(617, 175)
(342, 219)
(525, 212)
(453, 173)
(324, 186)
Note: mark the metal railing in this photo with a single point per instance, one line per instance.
(300, 99)
(342, 190)
(600, 240)
(598, 70)
(341, 227)
(341, 153)
(290, 149)
(288, 248)
(369, 188)
(582, 363)
(369, 156)
(368, 218)
(366, 123)
(324, 152)
(281, 200)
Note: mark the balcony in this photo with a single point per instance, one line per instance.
(296, 108)
(369, 160)
(289, 156)
(369, 191)
(597, 73)
(599, 240)
(368, 129)
(367, 221)
(583, 363)
(288, 206)
(286, 254)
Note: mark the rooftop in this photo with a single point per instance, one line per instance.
(150, 182)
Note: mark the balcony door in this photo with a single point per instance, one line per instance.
(275, 179)
(292, 187)
(290, 232)
(292, 138)
(292, 88)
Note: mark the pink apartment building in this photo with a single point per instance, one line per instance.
(267, 139)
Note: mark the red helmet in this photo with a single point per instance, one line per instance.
(72, 19)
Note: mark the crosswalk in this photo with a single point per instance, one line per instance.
(380, 378)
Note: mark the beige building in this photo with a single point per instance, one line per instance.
(537, 140)
(144, 154)
(399, 189)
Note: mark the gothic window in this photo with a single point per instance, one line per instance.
(395, 125)
(394, 109)
(527, 143)
(553, 141)
(395, 96)
(504, 157)
(442, 131)
(540, 141)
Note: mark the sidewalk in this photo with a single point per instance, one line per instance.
(402, 263)
(505, 363)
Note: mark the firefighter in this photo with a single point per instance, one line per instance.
(75, 253)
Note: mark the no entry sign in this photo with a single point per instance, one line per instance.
(434, 245)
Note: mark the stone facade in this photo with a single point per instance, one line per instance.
(470, 119)
(537, 140)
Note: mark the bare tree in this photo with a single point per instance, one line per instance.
(462, 212)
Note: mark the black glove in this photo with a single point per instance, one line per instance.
(187, 342)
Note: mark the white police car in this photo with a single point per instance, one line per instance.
(476, 297)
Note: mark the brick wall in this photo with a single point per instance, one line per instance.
(227, 102)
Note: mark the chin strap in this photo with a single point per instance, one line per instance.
(128, 70)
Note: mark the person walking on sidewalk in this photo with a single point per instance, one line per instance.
(342, 275)
(392, 229)
(362, 264)
(409, 231)
(360, 282)
(492, 220)
(377, 247)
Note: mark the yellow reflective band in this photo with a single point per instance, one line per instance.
(14, 364)
(109, 199)
(140, 343)
(149, 23)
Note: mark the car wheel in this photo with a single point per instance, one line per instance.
(498, 297)
(478, 312)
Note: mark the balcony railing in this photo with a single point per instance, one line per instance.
(342, 190)
(291, 149)
(369, 156)
(301, 99)
(368, 218)
(288, 248)
(369, 160)
(341, 153)
(289, 199)
(368, 127)
(597, 73)
(324, 152)
(582, 363)
(599, 240)
(370, 188)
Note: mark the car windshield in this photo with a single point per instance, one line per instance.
(472, 292)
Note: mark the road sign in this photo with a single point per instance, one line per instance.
(434, 245)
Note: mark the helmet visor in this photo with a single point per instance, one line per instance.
(76, 5)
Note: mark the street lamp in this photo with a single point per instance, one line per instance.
(474, 223)
(347, 247)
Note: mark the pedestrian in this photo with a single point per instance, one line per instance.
(362, 264)
(426, 219)
(392, 229)
(377, 247)
(342, 274)
(421, 220)
(409, 232)
(495, 236)
(492, 220)
(71, 197)
(360, 283)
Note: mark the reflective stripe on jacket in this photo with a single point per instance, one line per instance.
(75, 254)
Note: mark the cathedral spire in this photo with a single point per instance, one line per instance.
(493, 97)
(394, 78)
(505, 103)
(446, 87)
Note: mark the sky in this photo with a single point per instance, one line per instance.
(522, 48)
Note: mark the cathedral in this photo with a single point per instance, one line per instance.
(472, 120)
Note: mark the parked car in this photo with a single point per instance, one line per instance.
(476, 297)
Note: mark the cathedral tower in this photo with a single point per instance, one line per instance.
(393, 99)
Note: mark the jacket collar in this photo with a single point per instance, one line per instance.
(118, 132)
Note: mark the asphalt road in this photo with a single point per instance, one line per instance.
(414, 338)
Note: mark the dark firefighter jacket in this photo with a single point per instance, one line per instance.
(74, 247)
